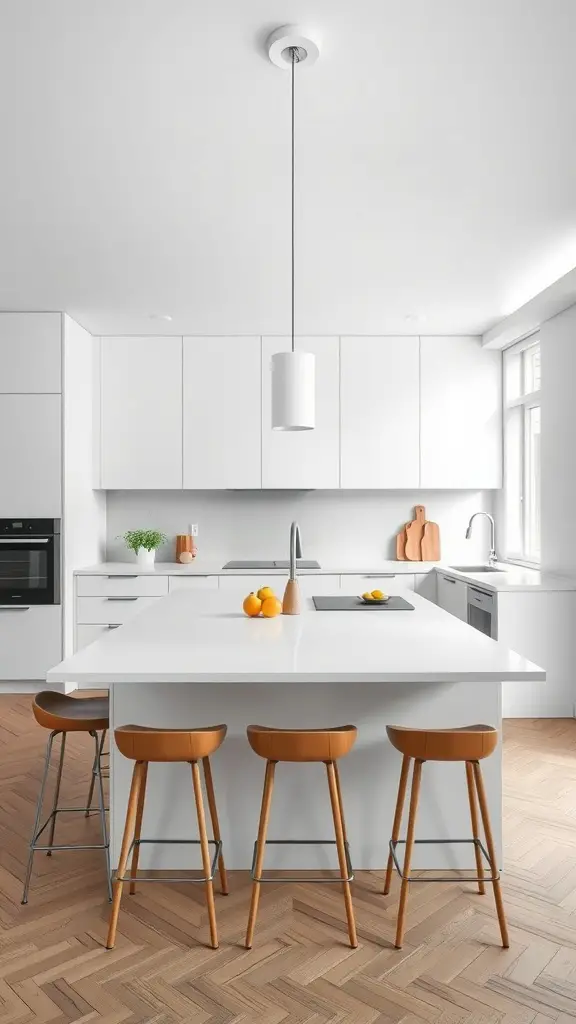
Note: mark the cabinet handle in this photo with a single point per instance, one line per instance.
(380, 576)
(114, 625)
(14, 608)
(448, 579)
(121, 598)
(118, 576)
(24, 540)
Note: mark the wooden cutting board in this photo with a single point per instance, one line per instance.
(414, 534)
(419, 540)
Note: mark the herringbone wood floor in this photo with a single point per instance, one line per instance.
(53, 966)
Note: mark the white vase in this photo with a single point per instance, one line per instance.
(145, 558)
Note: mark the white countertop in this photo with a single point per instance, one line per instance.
(513, 577)
(200, 567)
(206, 638)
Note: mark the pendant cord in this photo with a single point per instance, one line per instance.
(295, 58)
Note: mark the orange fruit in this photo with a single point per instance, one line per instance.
(271, 607)
(265, 592)
(252, 605)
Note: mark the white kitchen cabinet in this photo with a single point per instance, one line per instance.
(309, 584)
(388, 583)
(461, 420)
(88, 634)
(380, 425)
(30, 456)
(30, 641)
(141, 413)
(452, 595)
(30, 353)
(133, 585)
(193, 583)
(307, 458)
(110, 610)
(222, 413)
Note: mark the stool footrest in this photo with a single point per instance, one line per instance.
(443, 878)
(216, 843)
(64, 846)
(310, 878)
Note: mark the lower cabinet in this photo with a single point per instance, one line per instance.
(87, 634)
(452, 596)
(309, 584)
(30, 641)
(192, 583)
(388, 583)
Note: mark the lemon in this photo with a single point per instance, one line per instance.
(367, 596)
(265, 592)
(377, 595)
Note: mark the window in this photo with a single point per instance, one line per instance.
(522, 450)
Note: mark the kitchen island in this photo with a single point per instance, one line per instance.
(194, 659)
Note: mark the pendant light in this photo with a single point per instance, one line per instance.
(293, 373)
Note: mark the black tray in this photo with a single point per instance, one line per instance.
(336, 603)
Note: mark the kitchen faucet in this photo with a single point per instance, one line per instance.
(492, 559)
(295, 548)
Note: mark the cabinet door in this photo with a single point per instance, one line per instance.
(222, 413)
(452, 596)
(380, 428)
(307, 458)
(193, 583)
(461, 420)
(30, 641)
(30, 353)
(388, 583)
(30, 456)
(141, 412)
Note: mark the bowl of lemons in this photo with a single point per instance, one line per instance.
(374, 597)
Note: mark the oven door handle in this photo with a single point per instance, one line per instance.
(24, 540)
(14, 607)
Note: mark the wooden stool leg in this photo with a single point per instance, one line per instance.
(209, 888)
(138, 828)
(414, 794)
(260, 847)
(339, 831)
(215, 823)
(475, 829)
(131, 812)
(397, 818)
(491, 853)
(341, 806)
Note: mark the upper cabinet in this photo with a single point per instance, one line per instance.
(308, 458)
(222, 413)
(30, 353)
(141, 413)
(461, 417)
(380, 412)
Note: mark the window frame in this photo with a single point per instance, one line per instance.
(524, 403)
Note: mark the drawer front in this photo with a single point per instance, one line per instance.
(193, 583)
(388, 583)
(88, 634)
(309, 584)
(110, 610)
(121, 586)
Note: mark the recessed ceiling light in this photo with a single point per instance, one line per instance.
(160, 316)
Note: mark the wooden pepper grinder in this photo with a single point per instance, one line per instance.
(291, 601)
(186, 549)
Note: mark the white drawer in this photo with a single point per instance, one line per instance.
(193, 583)
(121, 586)
(389, 583)
(309, 584)
(88, 634)
(106, 610)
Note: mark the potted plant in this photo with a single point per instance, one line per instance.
(144, 543)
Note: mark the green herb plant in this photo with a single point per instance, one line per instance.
(149, 539)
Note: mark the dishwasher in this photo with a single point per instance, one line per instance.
(482, 612)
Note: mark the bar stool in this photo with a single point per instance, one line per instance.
(63, 714)
(302, 745)
(470, 744)
(144, 745)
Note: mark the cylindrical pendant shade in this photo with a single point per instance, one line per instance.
(293, 391)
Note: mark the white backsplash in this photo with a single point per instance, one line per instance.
(339, 528)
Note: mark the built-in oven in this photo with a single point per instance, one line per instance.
(29, 561)
(483, 612)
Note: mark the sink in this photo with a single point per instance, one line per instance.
(475, 568)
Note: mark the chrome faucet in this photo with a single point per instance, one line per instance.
(295, 548)
(492, 558)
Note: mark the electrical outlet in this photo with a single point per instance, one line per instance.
(194, 529)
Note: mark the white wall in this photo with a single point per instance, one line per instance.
(558, 346)
(84, 510)
(339, 528)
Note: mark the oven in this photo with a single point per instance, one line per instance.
(29, 561)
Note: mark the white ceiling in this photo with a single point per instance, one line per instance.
(144, 165)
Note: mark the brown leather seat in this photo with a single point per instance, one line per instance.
(70, 714)
(468, 743)
(144, 743)
(302, 744)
